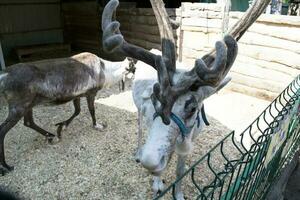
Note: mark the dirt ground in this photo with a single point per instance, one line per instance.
(86, 164)
(89, 164)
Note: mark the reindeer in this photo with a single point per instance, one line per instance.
(170, 101)
(54, 82)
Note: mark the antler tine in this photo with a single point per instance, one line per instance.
(166, 34)
(113, 41)
(165, 65)
(163, 96)
(257, 8)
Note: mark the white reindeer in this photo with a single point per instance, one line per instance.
(170, 102)
(55, 81)
(162, 140)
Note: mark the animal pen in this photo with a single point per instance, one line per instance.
(275, 139)
(250, 165)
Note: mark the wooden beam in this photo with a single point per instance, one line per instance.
(2, 58)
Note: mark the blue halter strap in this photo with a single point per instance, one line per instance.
(183, 129)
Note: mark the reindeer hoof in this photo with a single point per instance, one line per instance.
(100, 127)
(179, 196)
(6, 169)
(60, 127)
(137, 156)
(50, 139)
(157, 187)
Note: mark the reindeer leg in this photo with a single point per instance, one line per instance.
(158, 186)
(29, 122)
(140, 136)
(179, 172)
(14, 115)
(65, 124)
(91, 105)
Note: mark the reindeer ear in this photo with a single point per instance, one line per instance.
(205, 91)
(223, 83)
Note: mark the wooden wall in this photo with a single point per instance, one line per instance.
(139, 25)
(29, 22)
(82, 26)
(269, 52)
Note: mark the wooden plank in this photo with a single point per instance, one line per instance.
(77, 21)
(142, 36)
(23, 18)
(151, 20)
(249, 90)
(143, 43)
(282, 31)
(25, 51)
(258, 39)
(82, 13)
(22, 2)
(140, 28)
(269, 54)
(201, 6)
(274, 19)
(2, 58)
(268, 65)
(146, 11)
(89, 32)
(263, 84)
(10, 41)
(75, 7)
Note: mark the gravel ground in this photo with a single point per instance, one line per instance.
(87, 164)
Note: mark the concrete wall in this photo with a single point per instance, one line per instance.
(29, 22)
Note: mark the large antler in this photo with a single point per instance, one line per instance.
(165, 64)
(113, 40)
(209, 70)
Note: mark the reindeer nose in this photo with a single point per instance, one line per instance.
(151, 162)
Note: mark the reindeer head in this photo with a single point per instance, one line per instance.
(178, 94)
(186, 122)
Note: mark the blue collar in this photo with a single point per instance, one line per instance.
(183, 129)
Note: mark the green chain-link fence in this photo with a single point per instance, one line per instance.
(245, 169)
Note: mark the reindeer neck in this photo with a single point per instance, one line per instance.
(113, 72)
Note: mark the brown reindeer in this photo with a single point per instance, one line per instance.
(54, 82)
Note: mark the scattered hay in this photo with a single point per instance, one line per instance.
(86, 164)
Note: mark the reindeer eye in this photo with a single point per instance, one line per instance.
(190, 106)
(193, 110)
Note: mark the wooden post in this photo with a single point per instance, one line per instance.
(2, 58)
